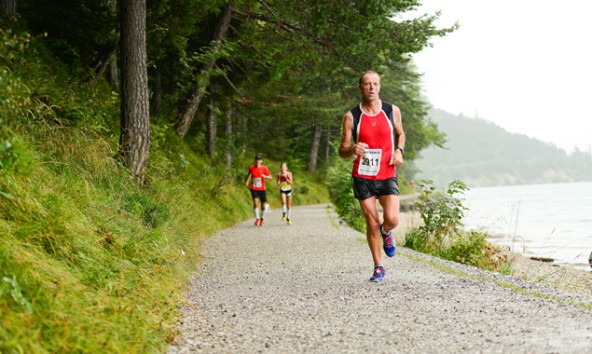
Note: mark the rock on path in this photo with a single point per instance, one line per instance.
(305, 288)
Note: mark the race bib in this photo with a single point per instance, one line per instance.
(370, 162)
(285, 186)
(257, 182)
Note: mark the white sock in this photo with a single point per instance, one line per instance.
(289, 213)
(256, 210)
(284, 208)
(263, 211)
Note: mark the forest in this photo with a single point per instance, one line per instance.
(126, 128)
(244, 75)
(481, 153)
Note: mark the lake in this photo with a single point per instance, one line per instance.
(544, 220)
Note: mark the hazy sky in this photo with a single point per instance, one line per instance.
(525, 65)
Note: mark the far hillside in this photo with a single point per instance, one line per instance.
(480, 153)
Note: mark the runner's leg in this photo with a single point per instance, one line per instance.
(263, 197)
(368, 206)
(256, 207)
(284, 208)
(289, 202)
(390, 207)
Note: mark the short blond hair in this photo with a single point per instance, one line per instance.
(367, 72)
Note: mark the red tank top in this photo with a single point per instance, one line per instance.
(284, 185)
(378, 132)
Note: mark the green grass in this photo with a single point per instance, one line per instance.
(447, 269)
(90, 261)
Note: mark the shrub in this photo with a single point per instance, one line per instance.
(341, 193)
(442, 232)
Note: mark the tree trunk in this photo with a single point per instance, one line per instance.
(243, 132)
(200, 88)
(228, 150)
(156, 105)
(102, 65)
(328, 147)
(113, 73)
(212, 128)
(314, 149)
(134, 139)
(8, 8)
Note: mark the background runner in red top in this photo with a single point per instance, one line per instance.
(257, 181)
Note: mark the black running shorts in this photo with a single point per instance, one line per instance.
(288, 193)
(261, 195)
(366, 188)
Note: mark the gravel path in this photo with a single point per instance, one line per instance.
(305, 288)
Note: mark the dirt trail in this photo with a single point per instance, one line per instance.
(305, 288)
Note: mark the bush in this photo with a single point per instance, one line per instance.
(442, 232)
(441, 214)
(341, 192)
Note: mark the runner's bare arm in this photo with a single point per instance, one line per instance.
(248, 179)
(346, 149)
(397, 158)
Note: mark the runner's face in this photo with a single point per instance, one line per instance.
(258, 162)
(370, 87)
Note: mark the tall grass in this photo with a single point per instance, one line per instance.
(89, 261)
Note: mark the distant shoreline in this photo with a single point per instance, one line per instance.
(561, 276)
(547, 260)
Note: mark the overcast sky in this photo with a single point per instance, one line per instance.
(525, 65)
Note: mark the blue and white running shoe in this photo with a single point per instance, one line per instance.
(388, 243)
(378, 274)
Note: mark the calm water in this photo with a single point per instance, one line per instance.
(545, 220)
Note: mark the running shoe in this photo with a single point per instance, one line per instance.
(256, 222)
(388, 243)
(283, 217)
(261, 222)
(378, 274)
(289, 222)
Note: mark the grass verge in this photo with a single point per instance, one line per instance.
(90, 262)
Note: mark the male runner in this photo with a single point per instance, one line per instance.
(378, 145)
(256, 180)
